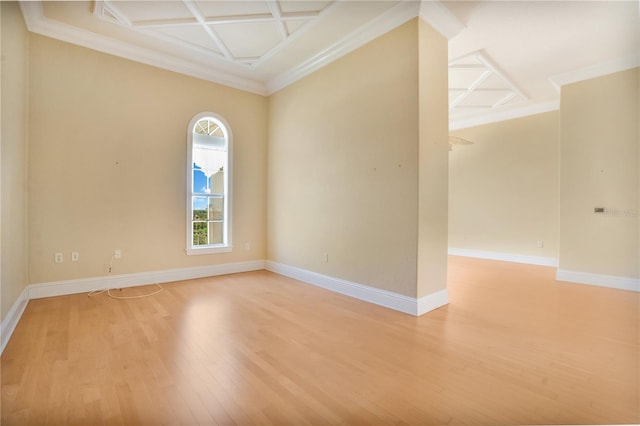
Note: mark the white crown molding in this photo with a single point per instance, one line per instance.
(505, 113)
(604, 68)
(609, 281)
(40, 24)
(394, 17)
(388, 299)
(440, 18)
(505, 257)
(517, 111)
(297, 34)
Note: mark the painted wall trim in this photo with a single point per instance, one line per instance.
(505, 114)
(433, 301)
(610, 281)
(440, 18)
(61, 288)
(506, 257)
(13, 317)
(38, 23)
(388, 299)
(394, 17)
(557, 81)
(605, 68)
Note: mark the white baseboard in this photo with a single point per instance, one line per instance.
(62, 288)
(13, 316)
(610, 281)
(432, 301)
(506, 257)
(384, 298)
(388, 299)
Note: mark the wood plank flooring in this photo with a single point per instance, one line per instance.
(513, 347)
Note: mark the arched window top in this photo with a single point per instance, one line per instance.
(209, 185)
(209, 129)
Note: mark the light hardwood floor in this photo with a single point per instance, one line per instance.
(513, 347)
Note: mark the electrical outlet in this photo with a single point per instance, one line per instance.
(540, 244)
(58, 258)
(117, 254)
(247, 246)
(75, 256)
(325, 257)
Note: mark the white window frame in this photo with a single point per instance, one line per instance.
(226, 245)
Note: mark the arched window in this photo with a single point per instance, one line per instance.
(209, 164)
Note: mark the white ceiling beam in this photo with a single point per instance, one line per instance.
(162, 23)
(224, 20)
(482, 58)
(470, 90)
(397, 15)
(274, 7)
(195, 11)
(247, 59)
(505, 99)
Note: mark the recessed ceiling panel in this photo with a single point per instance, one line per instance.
(249, 40)
(193, 35)
(494, 81)
(238, 32)
(136, 11)
(294, 25)
(486, 98)
(292, 6)
(467, 60)
(475, 83)
(233, 8)
(463, 78)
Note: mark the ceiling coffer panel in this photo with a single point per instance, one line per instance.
(475, 83)
(249, 40)
(145, 11)
(241, 32)
(238, 9)
(192, 34)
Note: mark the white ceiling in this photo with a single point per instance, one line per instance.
(507, 58)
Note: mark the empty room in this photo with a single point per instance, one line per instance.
(341, 212)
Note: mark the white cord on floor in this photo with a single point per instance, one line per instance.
(134, 297)
(108, 290)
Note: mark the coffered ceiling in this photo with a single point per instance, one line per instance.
(507, 58)
(243, 33)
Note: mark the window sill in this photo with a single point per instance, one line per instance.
(209, 250)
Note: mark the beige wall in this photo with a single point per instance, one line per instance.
(432, 161)
(599, 168)
(342, 168)
(107, 163)
(13, 153)
(503, 189)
